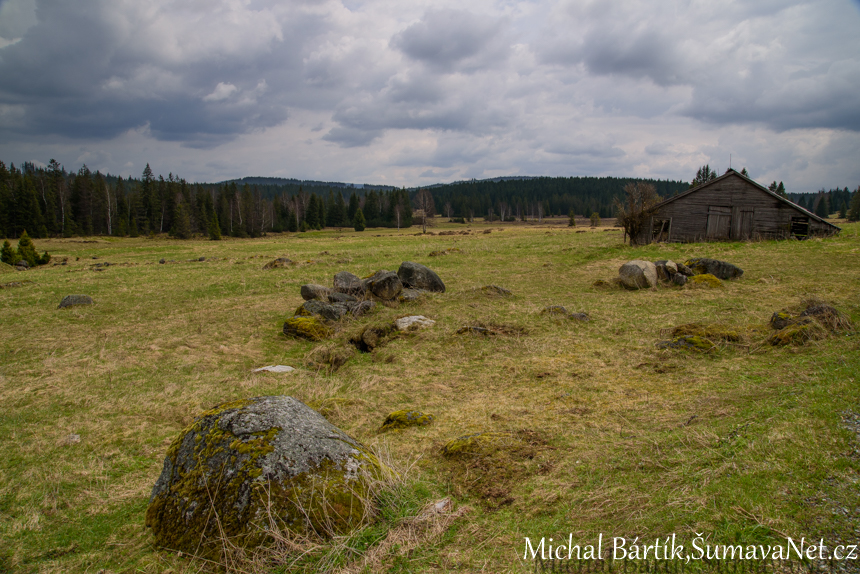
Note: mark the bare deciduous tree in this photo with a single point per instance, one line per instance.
(424, 204)
(637, 208)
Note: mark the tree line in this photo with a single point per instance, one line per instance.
(52, 202)
(49, 201)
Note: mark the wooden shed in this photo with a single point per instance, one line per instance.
(731, 207)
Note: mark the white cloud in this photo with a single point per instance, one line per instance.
(222, 92)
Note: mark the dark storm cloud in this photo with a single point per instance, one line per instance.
(88, 70)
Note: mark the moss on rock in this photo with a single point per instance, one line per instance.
(704, 280)
(243, 465)
(310, 328)
(797, 334)
(406, 418)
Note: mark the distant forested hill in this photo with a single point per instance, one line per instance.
(524, 197)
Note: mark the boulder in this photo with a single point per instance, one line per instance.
(679, 279)
(22, 264)
(311, 328)
(684, 270)
(638, 274)
(406, 418)
(413, 323)
(781, 320)
(417, 276)
(557, 310)
(247, 464)
(72, 300)
(346, 282)
(719, 269)
(341, 298)
(371, 337)
(579, 317)
(313, 291)
(385, 285)
(662, 272)
(327, 311)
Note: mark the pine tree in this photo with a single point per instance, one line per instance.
(8, 255)
(358, 220)
(214, 228)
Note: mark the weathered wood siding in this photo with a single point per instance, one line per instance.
(729, 209)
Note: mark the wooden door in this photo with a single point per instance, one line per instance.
(747, 216)
(719, 222)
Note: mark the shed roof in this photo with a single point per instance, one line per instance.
(731, 172)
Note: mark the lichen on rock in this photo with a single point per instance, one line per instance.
(247, 464)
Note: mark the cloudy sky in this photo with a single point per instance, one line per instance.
(417, 92)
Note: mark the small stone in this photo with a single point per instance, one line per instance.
(684, 270)
(679, 279)
(72, 300)
(72, 439)
(477, 443)
(693, 342)
(275, 369)
(360, 308)
(554, 310)
(162, 261)
(579, 317)
(413, 323)
(410, 295)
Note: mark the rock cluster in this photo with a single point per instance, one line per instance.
(351, 296)
(639, 274)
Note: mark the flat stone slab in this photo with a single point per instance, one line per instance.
(275, 369)
(413, 323)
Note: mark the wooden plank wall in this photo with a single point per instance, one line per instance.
(771, 219)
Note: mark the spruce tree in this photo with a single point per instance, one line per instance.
(8, 255)
(27, 251)
(854, 209)
(843, 211)
(595, 219)
(358, 221)
(181, 223)
(353, 206)
(572, 219)
(214, 228)
(312, 217)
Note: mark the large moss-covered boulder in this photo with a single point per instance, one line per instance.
(247, 464)
(311, 328)
(638, 274)
(417, 276)
(719, 269)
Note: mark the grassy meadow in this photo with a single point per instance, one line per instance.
(745, 444)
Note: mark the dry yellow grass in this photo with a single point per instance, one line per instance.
(625, 439)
